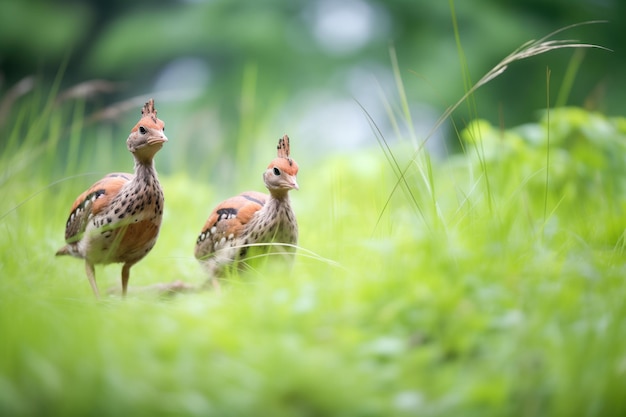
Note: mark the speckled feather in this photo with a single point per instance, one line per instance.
(252, 218)
(118, 218)
(227, 222)
(92, 202)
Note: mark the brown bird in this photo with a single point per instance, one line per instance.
(117, 220)
(252, 219)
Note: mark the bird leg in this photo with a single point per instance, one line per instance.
(125, 277)
(91, 275)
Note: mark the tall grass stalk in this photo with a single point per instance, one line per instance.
(527, 50)
(547, 184)
(569, 77)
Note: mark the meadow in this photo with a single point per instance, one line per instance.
(488, 283)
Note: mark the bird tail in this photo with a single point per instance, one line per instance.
(65, 250)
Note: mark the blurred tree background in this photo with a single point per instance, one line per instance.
(223, 71)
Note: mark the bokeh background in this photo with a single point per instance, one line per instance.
(489, 283)
(223, 72)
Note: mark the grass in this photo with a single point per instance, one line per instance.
(499, 300)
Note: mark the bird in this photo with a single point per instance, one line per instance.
(266, 222)
(117, 219)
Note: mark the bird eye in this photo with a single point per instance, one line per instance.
(142, 130)
(276, 171)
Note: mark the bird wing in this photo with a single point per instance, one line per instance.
(227, 221)
(91, 202)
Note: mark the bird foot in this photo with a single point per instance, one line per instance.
(175, 287)
(162, 289)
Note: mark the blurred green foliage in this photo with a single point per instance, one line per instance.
(569, 162)
(488, 283)
(503, 299)
(219, 64)
(576, 154)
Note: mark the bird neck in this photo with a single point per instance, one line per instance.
(144, 170)
(278, 202)
(281, 196)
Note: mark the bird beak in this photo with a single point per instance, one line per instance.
(157, 139)
(293, 183)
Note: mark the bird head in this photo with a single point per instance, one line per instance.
(148, 136)
(280, 175)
